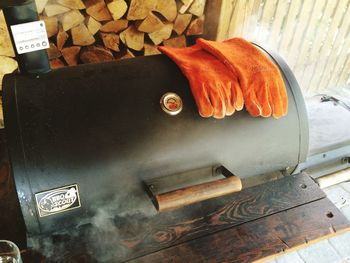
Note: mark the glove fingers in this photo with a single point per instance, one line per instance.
(276, 101)
(201, 97)
(251, 104)
(227, 95)
(237, 96)
(263, 98)
(218, 103)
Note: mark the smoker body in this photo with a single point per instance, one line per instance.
(102, 128)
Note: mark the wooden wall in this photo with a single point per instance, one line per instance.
(312, 35)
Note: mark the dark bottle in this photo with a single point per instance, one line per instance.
(19, 12)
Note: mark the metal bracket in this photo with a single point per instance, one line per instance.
(326, 162)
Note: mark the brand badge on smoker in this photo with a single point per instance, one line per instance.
(57, 200)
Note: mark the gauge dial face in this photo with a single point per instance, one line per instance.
(171, 103)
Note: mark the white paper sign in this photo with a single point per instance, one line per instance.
(29, 37)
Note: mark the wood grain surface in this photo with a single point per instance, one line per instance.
(261, 238)
(191, 222)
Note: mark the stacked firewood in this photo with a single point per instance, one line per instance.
(89, 31)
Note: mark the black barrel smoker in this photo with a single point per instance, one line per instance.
(101, 128)
(93, 136)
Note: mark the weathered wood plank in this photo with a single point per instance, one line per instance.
(304, 65)
(266, 19)
(290, 25)
(317, 55)
(345, 73)
(281, 12)
(330, 68)
(249, 15)
(268, 236)
(327, 45)
(174, 227)
(299, 36)
(340, 65)
(234, 209)
(237, 20)
(248, 11)
(215, 24)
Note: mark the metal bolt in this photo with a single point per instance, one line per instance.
(303, 186)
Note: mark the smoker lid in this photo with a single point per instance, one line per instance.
(71, 126)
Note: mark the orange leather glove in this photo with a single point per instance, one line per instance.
(260, 80)
(215, 90)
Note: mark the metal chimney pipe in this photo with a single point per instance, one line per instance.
(18, 12)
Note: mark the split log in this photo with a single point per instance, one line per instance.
(139, 9)
(51, 24)
(167, 8)
(117, 8)
(61, 38)
(93, 25)
(150, 24)
(107, 22)
(185, 6)
(53, 10)
(158, 37)
(178, 42)
(99, 11)
(110, 40)
(56, 63)
(90, 3)
(40, 5)
(182, 22)
(132, 38)
(151, 50)
(81, 36)
(7, 65)
(72, 4)
(127, 55)
(186, 2)
(71, 55)
(115, 26)
(53, 52)
(6, 48)
(197, 7)
(71, 19)
(95, 54)
(196, 27)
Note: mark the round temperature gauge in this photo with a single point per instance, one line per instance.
(171, 103)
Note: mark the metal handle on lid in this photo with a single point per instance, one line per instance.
(194, 193)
